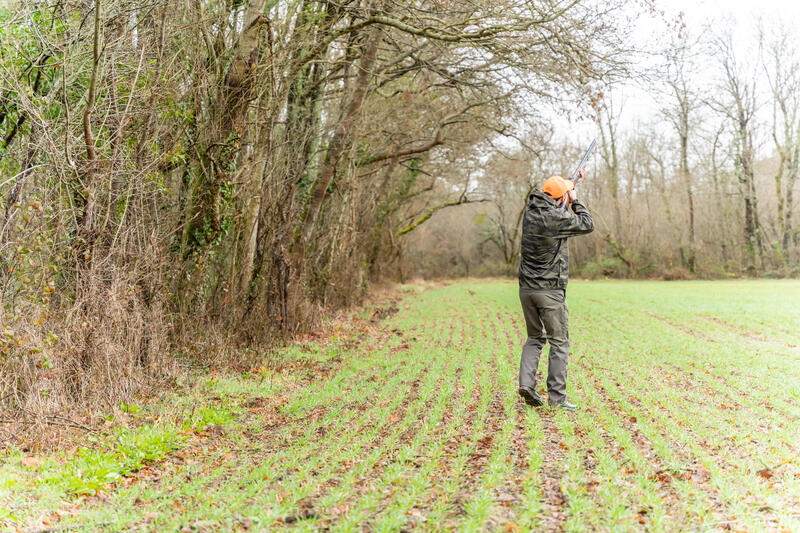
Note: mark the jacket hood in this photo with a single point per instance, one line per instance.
(541, 198)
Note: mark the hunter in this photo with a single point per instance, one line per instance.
(551, 217)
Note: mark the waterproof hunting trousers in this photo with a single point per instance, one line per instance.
(546, 318)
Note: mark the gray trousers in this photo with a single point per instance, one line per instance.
(546, 318)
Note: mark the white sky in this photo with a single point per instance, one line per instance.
(699, 11)
(641, 105)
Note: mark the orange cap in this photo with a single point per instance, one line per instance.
(556, 186)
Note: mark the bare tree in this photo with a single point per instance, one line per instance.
(681, 114)
(781, 63)
(739, 85)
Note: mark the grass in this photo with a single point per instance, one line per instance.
(689, 395)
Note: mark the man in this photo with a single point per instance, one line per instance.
(543, 273)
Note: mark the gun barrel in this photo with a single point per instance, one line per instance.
(583, 162)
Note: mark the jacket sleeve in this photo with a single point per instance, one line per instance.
(565, 223)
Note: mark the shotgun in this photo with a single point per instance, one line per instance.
(582, 164)
(574, 177)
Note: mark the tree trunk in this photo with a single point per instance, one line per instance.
(690, 259)
(788, 239)
(720, 192)
(87, 219)
(749, 210)
(342, 136)
(780, 200)
(221, 143)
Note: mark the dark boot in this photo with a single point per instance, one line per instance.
(565, 405)
(531, 397)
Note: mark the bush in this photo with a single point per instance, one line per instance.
(608, 267)
(676, 274)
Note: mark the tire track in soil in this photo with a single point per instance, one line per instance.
(370, 423)
(367, 375)
(682, 375)
(700, 335)
(393, 420)
(264, 412)
(679, 374)
(463, 434)
(367, 419)
(484, 448)
(519, 451)
(484, 445)
(732, 328)
(730, 404)
(683, 329)
(662, 472)
(363, 376)
(365, 487)
(446, 422)
(300, 429)
(750, 335)
(554, 502)
(697, 473)
(666, 417)
(299, 426)
(509, 496)
(731, 401)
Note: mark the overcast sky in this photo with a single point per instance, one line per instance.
(640, 104)
(700, 11)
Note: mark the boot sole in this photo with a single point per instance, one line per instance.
(530, 399)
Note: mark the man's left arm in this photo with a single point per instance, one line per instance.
(570, 223)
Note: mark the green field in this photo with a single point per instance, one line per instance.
(407, 418)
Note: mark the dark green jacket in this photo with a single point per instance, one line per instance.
(545, 228)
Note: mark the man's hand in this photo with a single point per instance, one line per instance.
(570, 197)
(580, 175)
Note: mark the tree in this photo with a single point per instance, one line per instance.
(680, 113)
(739, 85)
(781, 63)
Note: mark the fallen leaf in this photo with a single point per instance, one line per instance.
(701, 474)
(766, 473)
(30, 462)
(415, 513)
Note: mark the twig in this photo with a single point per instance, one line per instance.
(69, 423)
(68, 527)
(713, 525)
(52, 420)
(786, 462)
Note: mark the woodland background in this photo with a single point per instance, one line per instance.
(192, 182)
